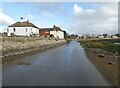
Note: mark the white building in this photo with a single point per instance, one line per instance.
(54, 32)
(100, 36)
(57, 34)
(114, 37)
(22, 28)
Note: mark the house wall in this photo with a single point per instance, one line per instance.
(100, 36)
(44, 33)
(21, 31)
(114, 37)
(57, 34)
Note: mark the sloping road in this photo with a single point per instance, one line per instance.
(66, 65)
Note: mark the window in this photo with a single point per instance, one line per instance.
(26, 29)
(14, 29)
(7, 30)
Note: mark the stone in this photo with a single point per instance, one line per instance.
(101, 55)
(111, 62)
(95, 51)
(4, 48)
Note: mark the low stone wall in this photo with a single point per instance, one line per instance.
(17, 46)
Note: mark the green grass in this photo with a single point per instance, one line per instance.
(107, 46)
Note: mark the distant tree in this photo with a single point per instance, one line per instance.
(68, 36)
(73, 36)
(105, 34)
(82, 36)
(117, 35)
(65, 34)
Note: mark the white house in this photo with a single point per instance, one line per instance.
(100, 36)
(114, 37)
(22, 28)
(57, 34)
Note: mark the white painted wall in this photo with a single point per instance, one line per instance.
(21, 31)
(114, 37)
(100, 36)
(60, 34)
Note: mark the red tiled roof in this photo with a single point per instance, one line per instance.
(55, 28)
(46, 29)
(23, 24)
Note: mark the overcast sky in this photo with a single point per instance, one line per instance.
(74, 17)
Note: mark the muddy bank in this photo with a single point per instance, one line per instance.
(107, 62)
(20, 46)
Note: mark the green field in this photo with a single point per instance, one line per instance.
(109, 46)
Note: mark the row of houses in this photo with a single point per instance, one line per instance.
(108, 36)
(101, 37)
(26, 28)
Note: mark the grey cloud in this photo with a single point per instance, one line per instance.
(100, 21)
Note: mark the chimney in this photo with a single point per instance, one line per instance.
(54, 26)
(21, 19)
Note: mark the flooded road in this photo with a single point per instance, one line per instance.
(66, 65)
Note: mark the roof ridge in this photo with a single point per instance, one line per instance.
(23, 24)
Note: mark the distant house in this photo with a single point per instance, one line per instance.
(22, 28)
(100, 36)
(107, 36)
(52, 32)
(83, 37)
(114, 37)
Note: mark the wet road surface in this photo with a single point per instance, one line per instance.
(66, 65)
